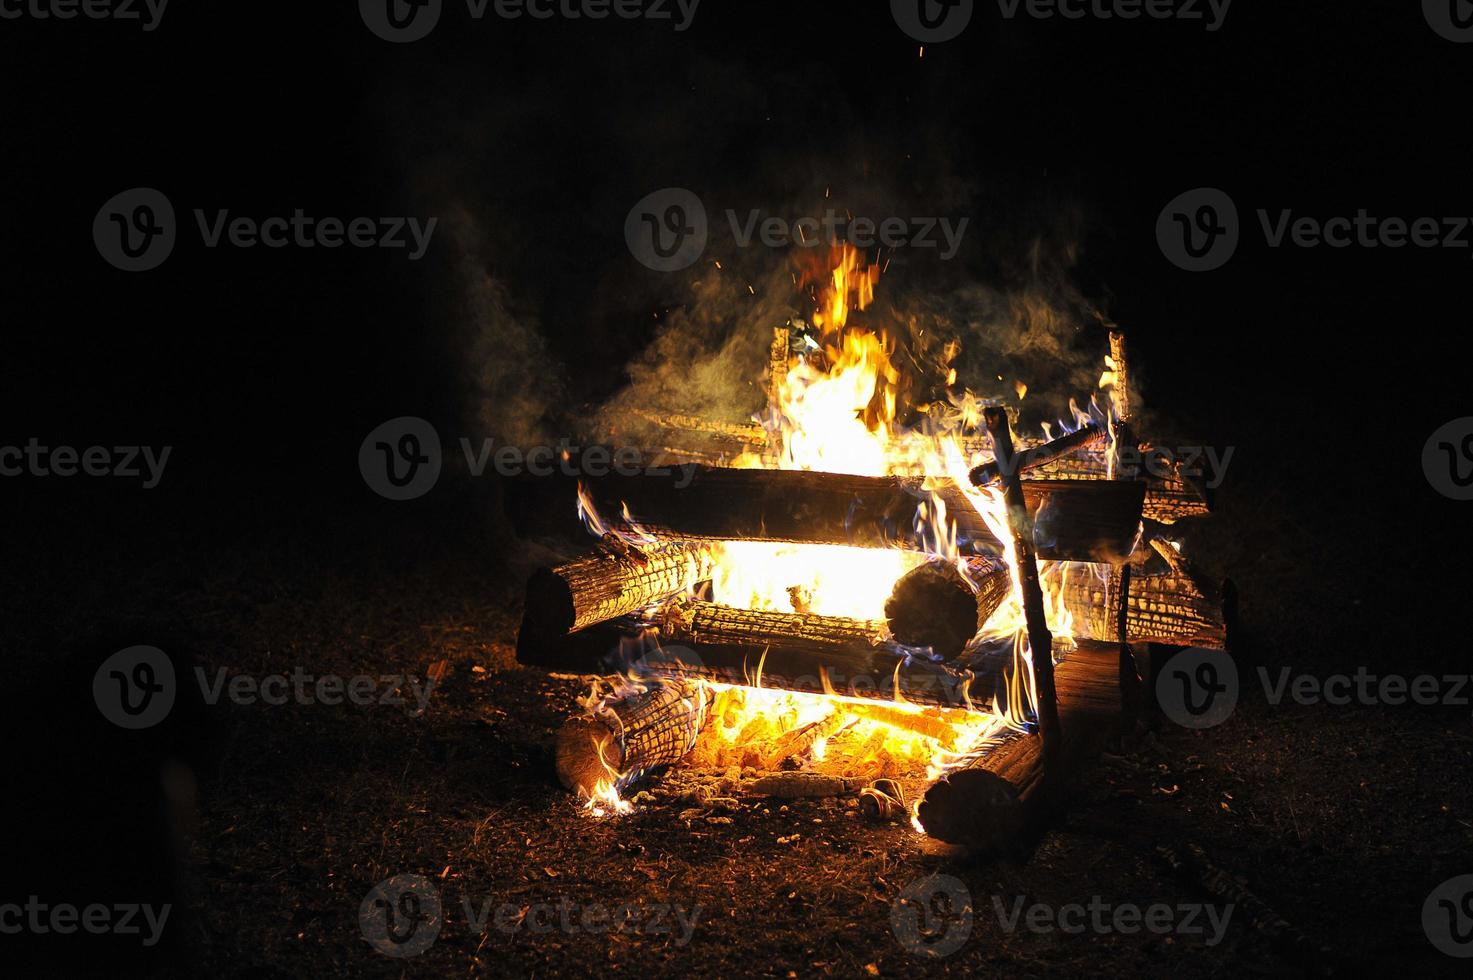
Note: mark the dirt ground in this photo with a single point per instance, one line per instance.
(273, 823)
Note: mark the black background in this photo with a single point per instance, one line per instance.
(1326, 369)
(271, 358)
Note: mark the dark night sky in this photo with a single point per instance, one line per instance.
(258, 363)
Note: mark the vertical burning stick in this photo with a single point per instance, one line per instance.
(1120, 401)
(1040, 641)
(1130, 680)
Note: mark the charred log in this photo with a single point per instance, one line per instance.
(995, 797)
(1173, 607)
(685, 439)
(695, 640)
(808, 654)
(934, 606)
(618, 743)
(1080, 520)
(605, 585)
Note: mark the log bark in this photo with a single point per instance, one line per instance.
(809, 654)
(1079, 520)
(997, 796)
(621, 742)
(686, 439)
(1173, 607)
(695, 640)
(933, 606)
(604, 585)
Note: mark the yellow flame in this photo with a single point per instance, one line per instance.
(835, 411)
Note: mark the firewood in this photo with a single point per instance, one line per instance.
(1091, 436)
(617, 744)
(603, 585)
(796, 743)
(686, 439)
(1083, 520)
(916, 722)
(933, 606)
(809, 654)
(992, 798)
(1040, 640)
(1175, 607)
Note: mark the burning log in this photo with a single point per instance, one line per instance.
(695, 640)
(803, 740)
(808, 654)
(911, 720)
(996, 794)
(934, 606)
(1040, 641)
(1173, 607)
(621, 742)
(1080, 520)
(602, 586)
(685, 439)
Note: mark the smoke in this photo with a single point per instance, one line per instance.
(508, 381)
(552, 326)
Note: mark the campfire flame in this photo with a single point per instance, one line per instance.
(835, 411)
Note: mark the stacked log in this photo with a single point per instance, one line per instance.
(604, 585)
(935, 607)
(1077, 520)
(992, 798)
